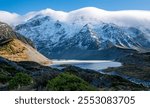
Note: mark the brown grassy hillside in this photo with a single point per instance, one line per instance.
(16, 47)
(16, 50)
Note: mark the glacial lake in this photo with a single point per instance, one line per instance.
(96, 65)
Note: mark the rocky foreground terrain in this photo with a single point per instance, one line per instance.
(136, 65)
(33, 76)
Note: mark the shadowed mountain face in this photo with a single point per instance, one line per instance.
(16, 47)
(81, 38)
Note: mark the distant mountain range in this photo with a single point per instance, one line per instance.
(87, 33)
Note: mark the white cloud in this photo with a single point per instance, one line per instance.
(89, 14)
(122, 18)
(10, 18)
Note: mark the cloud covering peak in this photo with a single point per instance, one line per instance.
(10, 18)
(88, 14)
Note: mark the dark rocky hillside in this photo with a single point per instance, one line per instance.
(7, 34)
(135, 65)
(33, 76)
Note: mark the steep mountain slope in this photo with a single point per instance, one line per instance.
(16, 47)
(87, 33)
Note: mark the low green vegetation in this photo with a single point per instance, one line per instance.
(33, 76)
(4, 78)
(132, 70)
(19, 80)
(6, 73)
(69, 82)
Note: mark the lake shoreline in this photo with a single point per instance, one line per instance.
(61, 64)
(42, 77)
(87, 64)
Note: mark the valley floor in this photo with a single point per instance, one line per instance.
(33, 76)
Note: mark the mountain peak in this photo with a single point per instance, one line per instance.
(89, 9)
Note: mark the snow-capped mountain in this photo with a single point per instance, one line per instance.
(87, 33)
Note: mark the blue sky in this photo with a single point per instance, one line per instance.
(24, 6)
